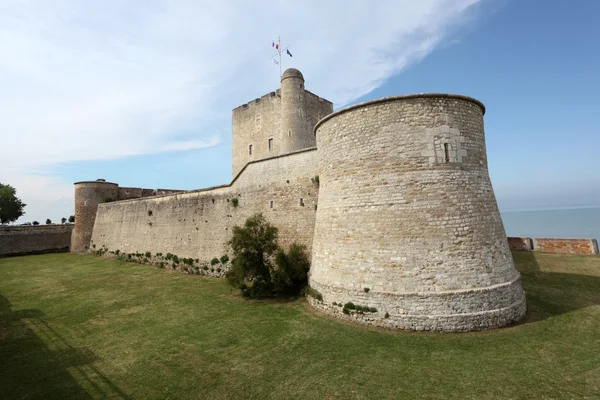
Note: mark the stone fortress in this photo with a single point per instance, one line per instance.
(391, 197)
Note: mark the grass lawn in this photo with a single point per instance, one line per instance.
(79, 326)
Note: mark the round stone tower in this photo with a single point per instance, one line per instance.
(297, 132)
(88, 195)
(407, 222)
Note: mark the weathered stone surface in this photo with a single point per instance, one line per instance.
(407, 219)
(566, 246)
(286, 116)
(18, 240)
(198, 224)
(520, 243)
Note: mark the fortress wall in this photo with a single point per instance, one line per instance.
(255, 123)
(17, 240)
(566, 246)
(407, 219)
(520, 243)
(198, 224)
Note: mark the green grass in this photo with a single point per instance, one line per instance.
(77, 326)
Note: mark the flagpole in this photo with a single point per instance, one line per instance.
(279, 50)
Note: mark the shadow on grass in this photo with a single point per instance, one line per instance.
(551, 294)
(29, 368)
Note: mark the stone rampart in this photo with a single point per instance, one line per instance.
(198, 224)
(18, 240)
(520, 243)
(407, 222)
(566, 246)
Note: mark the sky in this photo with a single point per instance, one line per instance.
(140, 92)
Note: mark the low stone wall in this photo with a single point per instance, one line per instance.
(566, 246)
(520, 243)
(20, 240)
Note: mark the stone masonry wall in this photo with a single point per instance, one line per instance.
(407, 221)
(17, 240)
(520, 243)
(254, 124)
(198, 224)
(566, 246)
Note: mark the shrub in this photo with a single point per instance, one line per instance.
(314, 293)
(387, 315)
(188, 261)
(212, 270)
(214, 261)
(158, 254)
(169, 256)
(35, 223)
(48, 221)
(72, 219)
(117, 251)
(148, 254)
(205, 267)
(291, 274)
(235, 201)
(372, 309)
(145, 260)
(175, 260)
(224, 259)
(315, 179)
(161, 264)
(253, 246)
(129, 256)
(197, 260)
(366, 290)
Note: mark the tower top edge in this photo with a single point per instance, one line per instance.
(401, 97)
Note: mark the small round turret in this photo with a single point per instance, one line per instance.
(296, 130)
(88, 195)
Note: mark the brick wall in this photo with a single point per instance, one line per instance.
(566, 246)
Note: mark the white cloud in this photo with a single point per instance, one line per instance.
(97, 80)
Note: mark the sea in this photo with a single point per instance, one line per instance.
(560, 223)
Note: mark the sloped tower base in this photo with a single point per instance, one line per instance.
(408, 234)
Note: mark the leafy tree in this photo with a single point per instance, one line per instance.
(35, 223)
(48, 221)
(253, 246)
(72, 219)
(11, 207)
(63, 220)
(252, 269)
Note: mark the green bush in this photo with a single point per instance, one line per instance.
(252, 268)
(253, 246)
(235, 201)
(224, 259)
(145, 260)
(291, 275)
(148, 254)
(169, 256)
(214, 261)
(366, 290)
(117, 251)
(314, 293)
(205, 267)
(387, 315)
(188, 261)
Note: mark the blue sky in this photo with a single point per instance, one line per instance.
(141, 94)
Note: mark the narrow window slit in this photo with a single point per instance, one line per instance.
(446, 153)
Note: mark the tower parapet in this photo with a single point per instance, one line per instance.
(407, 222)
